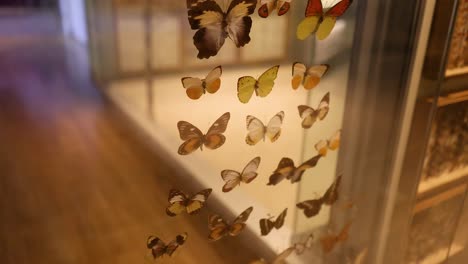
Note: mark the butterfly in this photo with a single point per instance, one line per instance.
(257, 130)
(287, 170)
(195, 139)
(309, 115)
(312, 207)
(299, 248)
(318, 22)
(309, 78)
(247, 85)
(179, 202)
(234, 178)
(266, 224)
(219, 228)
(196, 87)
(158, 248)
(329, 241)
(214, 25)
(266, 6)
(333, 143)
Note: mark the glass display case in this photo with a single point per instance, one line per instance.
(382, 96)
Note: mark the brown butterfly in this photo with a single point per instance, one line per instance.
(287, 170)
(233, 178)
(312, 207)
(309, 115)
(329, 241)
(266, 224)
(219, 228)
(179, 202)
(195, 139)
(214, 25)
(158, 248)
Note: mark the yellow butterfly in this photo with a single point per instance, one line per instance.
(319, 22)
(247, 85)
(196, 87)
(258, 131)
(333, 143)
(309, 78)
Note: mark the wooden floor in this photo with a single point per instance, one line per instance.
(77, 183)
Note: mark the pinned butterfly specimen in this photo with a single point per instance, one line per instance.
(299, 248)
(234, 178)
(258, 131)
(330, 144)
(196, 87)
(312, 207)
(195, 139)
(266, 224)
(267, 6)
(329, 241)
(158, 248)
(309, 78)
(319, 22)
(219, 228)
(310, 115)
(180, 202)
(262, 87)
(214, 25)
(287, 170)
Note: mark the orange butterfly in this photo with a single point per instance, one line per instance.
(196, 87)
(220, 228)
(329, 241)
(332, 143)
(195, 139)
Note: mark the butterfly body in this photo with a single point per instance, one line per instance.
(312, 207)
(158, 248)
(262, 86)
(180, 202)
(310, 115)
(287, 170)
(319, 22)
(214, 25)
(194, 139)
(219, 228)
(257, 131)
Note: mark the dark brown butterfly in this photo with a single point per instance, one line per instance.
(287, 170)
(219, 228)
(158, 248)
(266, 224)
(179, 202)
(329, 241)
(214, 25)
(310, 115)
(195, 139)
(312, 207)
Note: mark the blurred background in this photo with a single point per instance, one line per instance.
(90, 97)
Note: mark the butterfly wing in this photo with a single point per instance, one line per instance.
(213, 81)
(193, 87)
(310, 207)
(313, 76)
(324, 106)
(330, 17)
(331, 195)
(239, 21)
(266, 225)
(214, 138)
(176, 243)
(192, 136)
(298, 73)
(266, 6)
(250, 171)
(297, 174)
(239, 223)
(322, 147)
(284, 170)
(207, 18)
(273, 129)
(283, 6)
(156, 245)
(218, 227)
(231, 178)
(334, 141)
(280, 219)
(245, 88)
(256, 130)
(266, 81)
(308, 115)
(196, 203)
(177, 202)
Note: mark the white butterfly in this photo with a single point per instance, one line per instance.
(234, 178)
(257, 130)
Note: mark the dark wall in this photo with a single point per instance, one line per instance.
(28, 3)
